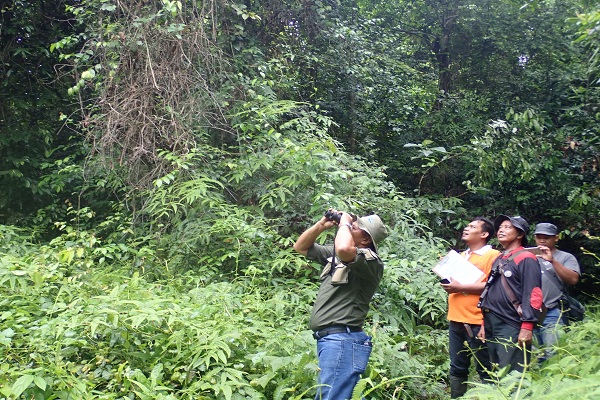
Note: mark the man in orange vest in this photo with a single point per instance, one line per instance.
(464, 316)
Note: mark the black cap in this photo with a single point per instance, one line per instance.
(517, 221)
(546, 228)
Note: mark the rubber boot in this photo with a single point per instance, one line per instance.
(458, 386)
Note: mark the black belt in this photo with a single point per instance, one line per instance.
(335, 329)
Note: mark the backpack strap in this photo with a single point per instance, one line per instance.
(512, 256)
(510, 294)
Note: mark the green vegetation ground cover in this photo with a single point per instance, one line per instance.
(75, 328)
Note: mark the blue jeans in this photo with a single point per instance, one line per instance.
(342, 358)
(461, 345)
(547, 335)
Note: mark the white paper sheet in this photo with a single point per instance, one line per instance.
(457, 268)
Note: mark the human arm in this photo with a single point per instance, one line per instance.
(531, 297)
(567, 273)
(308, 237)
(345, 248)
(457, 287)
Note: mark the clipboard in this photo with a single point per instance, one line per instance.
(455, 267)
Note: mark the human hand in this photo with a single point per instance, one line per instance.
(452, 287)
(327, 223)
(346, 218)
(481, 334)
(525, 337)
(331, 218)
(546, 253)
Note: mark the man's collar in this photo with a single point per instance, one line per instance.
(480, 251)
(508, 253)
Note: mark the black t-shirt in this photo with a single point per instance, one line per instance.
(523, 276)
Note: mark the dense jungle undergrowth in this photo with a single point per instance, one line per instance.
(90, 318)
(159, 158)
(199, 297)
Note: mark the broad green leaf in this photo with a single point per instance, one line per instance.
(22, 384)
(37, 278)
(40, 382)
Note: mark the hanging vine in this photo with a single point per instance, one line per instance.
(149, 78)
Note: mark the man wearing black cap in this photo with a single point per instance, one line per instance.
(512, 298)
(351, 274)
(559, 269)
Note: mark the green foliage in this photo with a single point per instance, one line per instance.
(518, 156)
(571, 373)
(91, 331)
(82, 329)
(216, 131)
(36, 152)
(587, 24)
(75, 327)
(515, 152)
(151, 77)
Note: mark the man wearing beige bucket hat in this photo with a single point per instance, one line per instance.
(351, 274)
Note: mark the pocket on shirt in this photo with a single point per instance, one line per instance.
(340, 274)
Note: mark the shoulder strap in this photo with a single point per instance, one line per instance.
(512, 256)
(491, 278)
(506, 287)
(510, 293)
(556, 281)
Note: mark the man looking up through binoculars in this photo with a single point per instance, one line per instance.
(351, 274)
